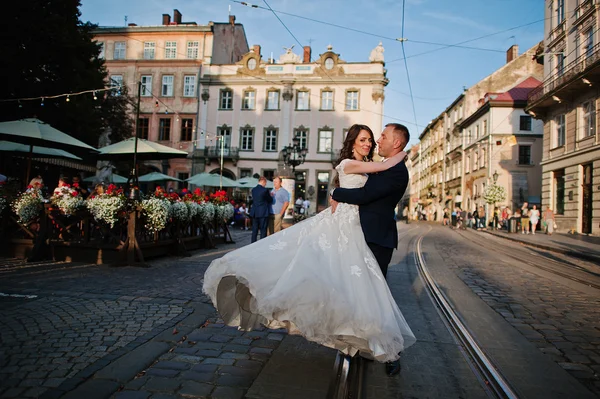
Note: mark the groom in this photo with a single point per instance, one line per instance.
(377, 201)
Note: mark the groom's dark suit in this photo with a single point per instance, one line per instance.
(260, 211)
(377, 201)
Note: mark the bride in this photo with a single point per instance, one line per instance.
(317, 278)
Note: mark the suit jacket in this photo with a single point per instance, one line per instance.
(262, 201)
(377, 201)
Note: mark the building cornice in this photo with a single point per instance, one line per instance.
(159, 29)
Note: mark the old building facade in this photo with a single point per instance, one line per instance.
(566, 102)
(205, 91)
(473, 133)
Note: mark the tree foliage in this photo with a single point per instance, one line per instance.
(494, 193)
(47, 50)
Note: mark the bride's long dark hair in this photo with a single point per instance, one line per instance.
(346, 152)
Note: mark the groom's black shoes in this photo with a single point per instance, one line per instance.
(393, 368)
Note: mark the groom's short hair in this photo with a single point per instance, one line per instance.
(400, 130)
(262, 178)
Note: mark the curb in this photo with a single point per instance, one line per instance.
(575, 254)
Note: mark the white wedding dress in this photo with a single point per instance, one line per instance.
(317, 278)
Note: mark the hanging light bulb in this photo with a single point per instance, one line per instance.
(156, 104)
(167, 112)
(68, 99)
(20, 105)
(42, 103)
(95, 97)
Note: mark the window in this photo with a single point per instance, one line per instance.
(245, 173)
(560, 64)
(326, 100)
(352, 100)
(247, 139)
(270, 139)
(559, 192)
(192, 50)
(149, 49)
(225, 134)
(525, 123)
(189, 86)
(459, 166)
(171, 50)
(273, 100)
(249, 100)
(477, 131)
(146, 85)
(164, 129)
(226, 100)
(325, 140)
(302, 134)
(183, 176)
(589, 118)
(101, 47)
(116, 81)
(303, 101)
(483, 162)
(269, 174)
(559, 138)
(167, 86)
(589, 42)
(524, 155)
(143, 128)
(476, 161)
(119, 53)
(560, 11)
(187, 128)
(484, 129)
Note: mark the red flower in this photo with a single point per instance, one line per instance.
(30, 186)
(197, 191)
(76, 185)
(74, 194)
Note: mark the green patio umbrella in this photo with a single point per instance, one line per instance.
(34, 132)
(114, 178)
(211, 180)
(155, 176)
(9, 146)
(251, 182)
(146, 150)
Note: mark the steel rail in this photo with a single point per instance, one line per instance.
(495, 383)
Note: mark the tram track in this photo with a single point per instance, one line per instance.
(571, 272)
(349, 377)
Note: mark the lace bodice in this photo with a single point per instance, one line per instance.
(350, 180)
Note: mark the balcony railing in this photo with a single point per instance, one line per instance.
(228, 152)
(583, 8)
(568, 73)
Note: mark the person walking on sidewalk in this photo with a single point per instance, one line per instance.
(548, 220)
(281, 201)
(534, 217)
(525, 218)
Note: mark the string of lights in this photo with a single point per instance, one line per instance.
(66, 95)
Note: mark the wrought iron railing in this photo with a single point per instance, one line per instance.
(228, 152)
(567, 74)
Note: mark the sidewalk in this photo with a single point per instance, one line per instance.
(578, 246)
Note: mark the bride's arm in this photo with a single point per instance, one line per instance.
(354, 166)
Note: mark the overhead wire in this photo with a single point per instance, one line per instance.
(406, 67)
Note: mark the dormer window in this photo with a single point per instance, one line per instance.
(252, 64)
(329, 63)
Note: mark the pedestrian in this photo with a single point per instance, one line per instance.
(405, 213)
(548, 221)
(245, 215)
(260, 209)
(446, 217)
(306, 205)
(534, 217)
(525, 218)
(80, 187)
(476, 218)
(454, 216)
(481, 225)
(281, 201)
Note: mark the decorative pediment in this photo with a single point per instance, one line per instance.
(250, 64)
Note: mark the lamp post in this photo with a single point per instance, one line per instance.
(495, 176)
(293, 154)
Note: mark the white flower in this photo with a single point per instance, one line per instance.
(105, 208)
(206, 213)
(67, 200)
(223, 212)
(2, 205)
(27, 205)
(179, 211)
(494, 193)
(157, 213)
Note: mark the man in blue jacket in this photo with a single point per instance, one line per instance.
(261, 209)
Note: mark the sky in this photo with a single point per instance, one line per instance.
(437, 73)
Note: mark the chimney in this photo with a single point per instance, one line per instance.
(176, 16)
(166, 19)
(512, 53)
(307, 53)
(256, 48)
(232, 19)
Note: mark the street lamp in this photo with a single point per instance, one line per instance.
(293, 154)
(495, 176)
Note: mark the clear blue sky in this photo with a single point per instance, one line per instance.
(437, 77)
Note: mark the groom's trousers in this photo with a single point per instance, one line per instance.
(383, 255)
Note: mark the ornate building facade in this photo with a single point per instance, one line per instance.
(567, 102)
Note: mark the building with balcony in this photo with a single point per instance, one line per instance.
(414, 179)
(205, 91)
(465, 131)
(255, 107)
(502, 142)
(566, 103)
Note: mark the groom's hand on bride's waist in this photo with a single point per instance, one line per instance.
(334, 204)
